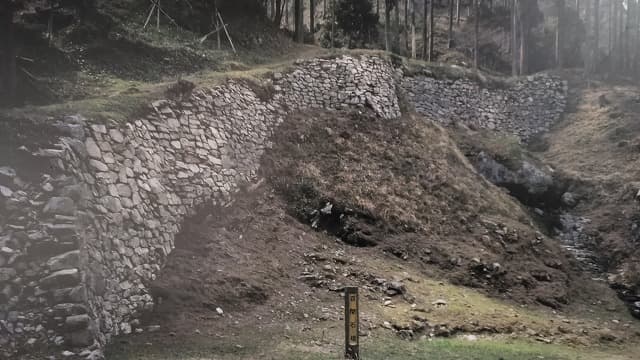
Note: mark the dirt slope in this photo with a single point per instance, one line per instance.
(406, 189)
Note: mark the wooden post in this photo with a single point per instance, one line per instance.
(227, 33)
(352, 323)
(153, 7)
(217, 24)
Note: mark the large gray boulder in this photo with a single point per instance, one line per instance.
(531, 177)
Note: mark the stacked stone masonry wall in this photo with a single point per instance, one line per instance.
(525, 108)
(80, 241)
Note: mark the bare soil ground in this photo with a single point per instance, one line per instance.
(394, 208)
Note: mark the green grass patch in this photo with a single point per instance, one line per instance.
(375, 349)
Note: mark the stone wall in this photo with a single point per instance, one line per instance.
(88, 220)
(523, 108)
(340, 83)
(81, 241)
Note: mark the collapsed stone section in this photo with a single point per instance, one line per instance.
(523, 108)
(79, 245)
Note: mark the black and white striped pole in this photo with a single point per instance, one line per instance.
(352, 323)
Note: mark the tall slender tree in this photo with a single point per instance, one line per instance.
(396, 25)
(425, 31)
(451, 42)
(413, 29)
(312, 16)
(514, 38)
(560, 5)
(432, 34)
(299, 21)
(8, 68)
(387, 24)
(476, 41)
(406, 25)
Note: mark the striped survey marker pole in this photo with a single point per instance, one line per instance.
(351, 323)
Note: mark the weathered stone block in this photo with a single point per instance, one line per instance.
(60, 205)
(68, 260)
(61, 279)
(77, 322)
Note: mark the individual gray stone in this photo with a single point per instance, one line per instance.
(569, 199)
(47, 187)
(77, 322)
(99, 128)
(60, 205)
(95, 355)
(112, 204)
(7, 175)
(98, 165)
(116, 136)
(5, 191)
(92, 148)
(7, 274)
(61, 279)
(67, 260)
(155, 186)
(124, 190)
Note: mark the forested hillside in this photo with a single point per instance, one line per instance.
(51, 47)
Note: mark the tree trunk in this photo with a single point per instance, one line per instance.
(476, 42)
(514, 38)
(432, 34)
(458, 12)
(8, 76)
(559, 32)
(396, 30)
(413, 29)
(286, 14)
(451, 42)
(333, 22)
(625, 39)
(277, 19)
(596, 36)
(615, 47)
(299, 21)
(312, 16)
(406, 25)
(425, 31)
(610, 29)
(216, 22)
(387, 23)
(524, 36)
